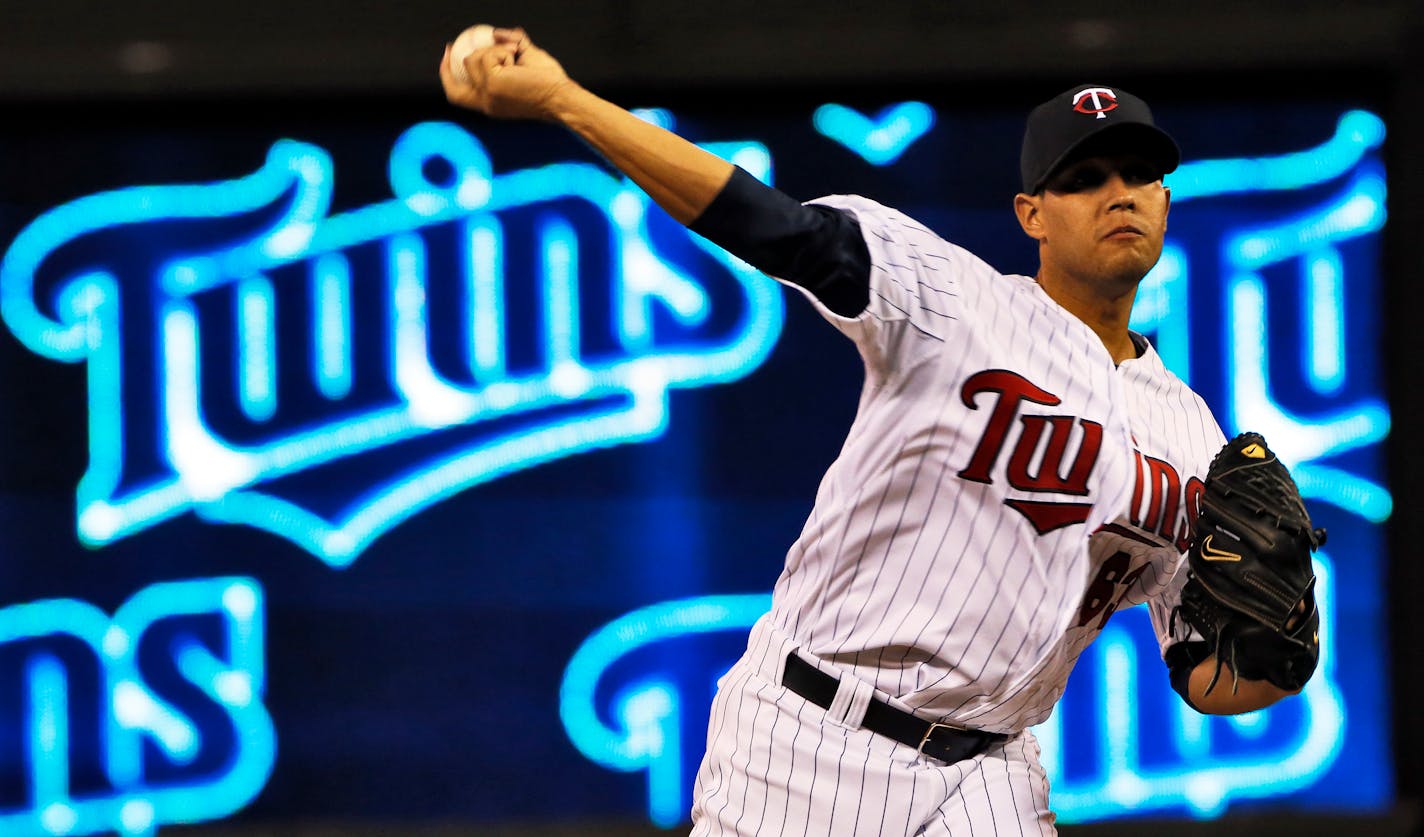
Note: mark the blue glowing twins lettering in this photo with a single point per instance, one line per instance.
(239, 336)
(652, 718)
(1260, 261)
(879, 140)
(179, 732)
(652, 722)
(1197, 764)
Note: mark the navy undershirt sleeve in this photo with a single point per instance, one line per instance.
(816, 247)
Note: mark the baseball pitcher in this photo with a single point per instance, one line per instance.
(1020, 467)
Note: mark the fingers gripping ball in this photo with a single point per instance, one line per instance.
(475, 37)
(1250, 586)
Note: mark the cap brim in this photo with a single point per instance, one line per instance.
(1135, 137)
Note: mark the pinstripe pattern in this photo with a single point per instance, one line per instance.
(779, 765)
(915, 577)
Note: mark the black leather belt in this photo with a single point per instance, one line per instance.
(941, 741)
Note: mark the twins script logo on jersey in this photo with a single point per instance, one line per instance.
(1161, 506)
(1095, 100)
(1013, 391)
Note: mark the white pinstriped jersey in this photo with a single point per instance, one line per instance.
(948, 559)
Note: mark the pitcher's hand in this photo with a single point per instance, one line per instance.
(511, 79)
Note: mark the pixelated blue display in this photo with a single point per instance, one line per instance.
(549, 449)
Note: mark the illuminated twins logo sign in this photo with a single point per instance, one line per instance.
(124, 723)
(256, 360)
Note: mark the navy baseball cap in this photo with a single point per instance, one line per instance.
(1078, 120)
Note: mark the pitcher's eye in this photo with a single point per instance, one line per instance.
(1140, 173)
(1079, 179)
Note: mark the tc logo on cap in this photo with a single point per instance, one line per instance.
(1098, 100)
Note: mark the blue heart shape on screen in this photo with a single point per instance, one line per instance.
(880, 140)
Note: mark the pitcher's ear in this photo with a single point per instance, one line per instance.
(1027, 208)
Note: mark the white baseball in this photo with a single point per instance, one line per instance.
(476, 37)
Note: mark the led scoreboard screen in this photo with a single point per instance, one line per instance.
(387, 463)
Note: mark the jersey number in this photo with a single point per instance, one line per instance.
(1108, 588)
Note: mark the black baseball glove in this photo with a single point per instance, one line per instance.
(1250, 586)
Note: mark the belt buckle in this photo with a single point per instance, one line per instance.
(926, 738)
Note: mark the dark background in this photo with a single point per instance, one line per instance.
(320, 69)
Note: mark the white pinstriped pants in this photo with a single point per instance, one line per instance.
(778, 764)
